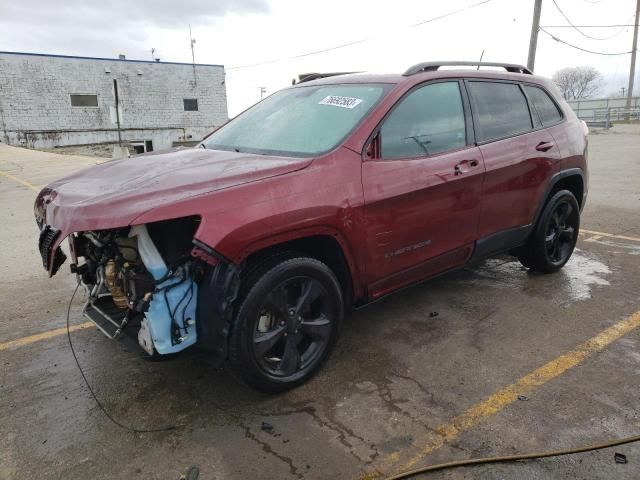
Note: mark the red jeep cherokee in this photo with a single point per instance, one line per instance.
(324, 196)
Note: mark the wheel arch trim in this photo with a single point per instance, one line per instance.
(353, 268)
(553, 181)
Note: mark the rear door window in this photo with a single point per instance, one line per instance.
(546, 108)
(429, 120)
(501, 110)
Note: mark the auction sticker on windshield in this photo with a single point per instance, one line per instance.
(339, 101)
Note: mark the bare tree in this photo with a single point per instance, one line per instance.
(578, 82)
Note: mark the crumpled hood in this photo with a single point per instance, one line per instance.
(116, 192)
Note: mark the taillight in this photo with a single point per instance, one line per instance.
(585, 128)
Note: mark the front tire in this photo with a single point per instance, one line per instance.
(286, 324)
(556, 233)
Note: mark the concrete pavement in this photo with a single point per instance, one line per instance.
(405, 386)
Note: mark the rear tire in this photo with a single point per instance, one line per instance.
(552, 242)
(286, 323)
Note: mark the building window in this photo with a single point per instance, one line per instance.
(190, 104)
(81, 100)
(142, 147)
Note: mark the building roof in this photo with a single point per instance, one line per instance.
(107, 59)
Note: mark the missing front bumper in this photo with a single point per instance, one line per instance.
(110, 320)
(104, 313)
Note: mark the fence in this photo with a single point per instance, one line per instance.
(603, 111)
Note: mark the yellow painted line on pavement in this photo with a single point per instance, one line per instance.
(610, 235)
(35, 188)
(507, 395)
(20, 342)
(594, 238)
(474, 415)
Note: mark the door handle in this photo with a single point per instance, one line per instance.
(544, 146)
(461, 167)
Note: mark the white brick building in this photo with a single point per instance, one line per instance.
(55, 100)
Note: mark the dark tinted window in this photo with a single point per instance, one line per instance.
(429, 120)
(190, 104)
(546, 108)
(84, 100)
(502, 110)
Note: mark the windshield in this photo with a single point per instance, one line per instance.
(299, 121)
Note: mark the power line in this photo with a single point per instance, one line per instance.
(575, 27)
(591, 26)
(356, 42)
(440, 17)
(623, 29)
(336, 47)
(583, 49)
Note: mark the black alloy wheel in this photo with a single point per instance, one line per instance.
(561, 233)
(554, 238)
(286, 324)
(293, 328)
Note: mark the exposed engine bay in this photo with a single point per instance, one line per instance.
(141, 278)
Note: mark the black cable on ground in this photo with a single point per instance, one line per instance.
(512, 458)
(104, 410)
(399, 476)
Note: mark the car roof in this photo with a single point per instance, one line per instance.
(355, 78)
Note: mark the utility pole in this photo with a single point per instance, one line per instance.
(632, 71)
(623, 90)
(263, 90)
(535, 27)
(192, 41)
(115, 93)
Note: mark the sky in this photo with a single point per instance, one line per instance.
(383, 36)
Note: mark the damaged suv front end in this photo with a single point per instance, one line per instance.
(241, 245)
(140, 277)
(132, 228)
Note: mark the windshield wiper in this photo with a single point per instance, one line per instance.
(227, 148)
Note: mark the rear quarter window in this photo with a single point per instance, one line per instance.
(546, 108)
(501, 110)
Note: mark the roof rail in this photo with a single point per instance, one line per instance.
(307, 77)
(433, 66)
